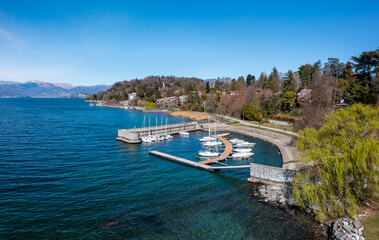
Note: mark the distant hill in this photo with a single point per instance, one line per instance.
(41, 89)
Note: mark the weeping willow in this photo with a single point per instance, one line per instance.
(342, 160)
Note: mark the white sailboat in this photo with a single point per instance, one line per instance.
(168, 136)
(212, 143)
(207, 138)
(147, 139)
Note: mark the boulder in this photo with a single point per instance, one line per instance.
(357, 224)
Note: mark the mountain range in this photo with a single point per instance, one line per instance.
(41, 89)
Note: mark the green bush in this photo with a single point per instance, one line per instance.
(251, 112)
(149, 105)
(342, 159)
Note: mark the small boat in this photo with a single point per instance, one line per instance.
(206, 139)
(208, 154)
(154, 139)
(146, 139)
(245, 145)
(242, 155)
(243, 150)
(161, 138)
(168, 136)
(92, 105)
(223, 135)
(212, 143)
(184, 133)
(235, 140)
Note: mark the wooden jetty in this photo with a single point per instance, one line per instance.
(194, 164)
(224, 155)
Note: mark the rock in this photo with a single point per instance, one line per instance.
(345, 223)
(357, 224)
(361, 238)
(348, 228)
(271, 200)
(268, 187)
(281, 200)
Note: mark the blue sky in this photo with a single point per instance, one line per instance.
(95, 42)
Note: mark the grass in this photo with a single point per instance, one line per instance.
(265, 124)
(371, 224)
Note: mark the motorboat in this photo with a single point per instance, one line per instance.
(184, 133)
(242, 155)
(212, 143)
(168, 136)
(208, 153)
(243, 150)
(161, 138)
(207, 138)
(146, 139)
(245, 145)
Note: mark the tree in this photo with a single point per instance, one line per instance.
(288, 100)
(289, 83)
(241, 79)
(262, 81)
(335, 67)
(208, 88)
(249, 79)
(314, 110)
(234, 83)
(149, 105)
(342, 159)
(366, 65)
(274, 82)
(251, 112)
(305, 72)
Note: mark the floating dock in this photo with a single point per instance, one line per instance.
(224, 155)
(194, 164)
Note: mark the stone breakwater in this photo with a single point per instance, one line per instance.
(345, 229)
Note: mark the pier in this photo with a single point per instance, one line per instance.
(224, 155)
(194, 164)
(134, 135)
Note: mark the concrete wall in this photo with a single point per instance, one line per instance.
(262, 173)
(130, 136)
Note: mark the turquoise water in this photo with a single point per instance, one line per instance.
(64, 176)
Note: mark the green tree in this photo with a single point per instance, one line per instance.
(289, 83)
(248, 80)
(288, 100)
(342, 162)
(263, 80)
(149, 105)
(241, 79)
(366, 65)
(234, 83)
(305, 73)
(251, 112)
(273, 82)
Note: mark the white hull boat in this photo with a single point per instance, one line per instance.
(206, 139)
(244, 145)
(184, 133)
(243, 150)
(208, 154)
(146, 139)
(212, 144)
(242, 155)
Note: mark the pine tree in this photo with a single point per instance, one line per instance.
(274, 80)
(289, 83)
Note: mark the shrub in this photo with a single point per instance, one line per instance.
(343, 158)
(149, 105)
(251, 112)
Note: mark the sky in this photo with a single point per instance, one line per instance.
(102, 42)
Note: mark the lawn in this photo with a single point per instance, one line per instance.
(371, 224)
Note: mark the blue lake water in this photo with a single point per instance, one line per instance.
(64, 176)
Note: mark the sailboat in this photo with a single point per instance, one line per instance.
(168, 136)
(147, 139)
(208, 138)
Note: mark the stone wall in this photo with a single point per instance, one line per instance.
(267, 174)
